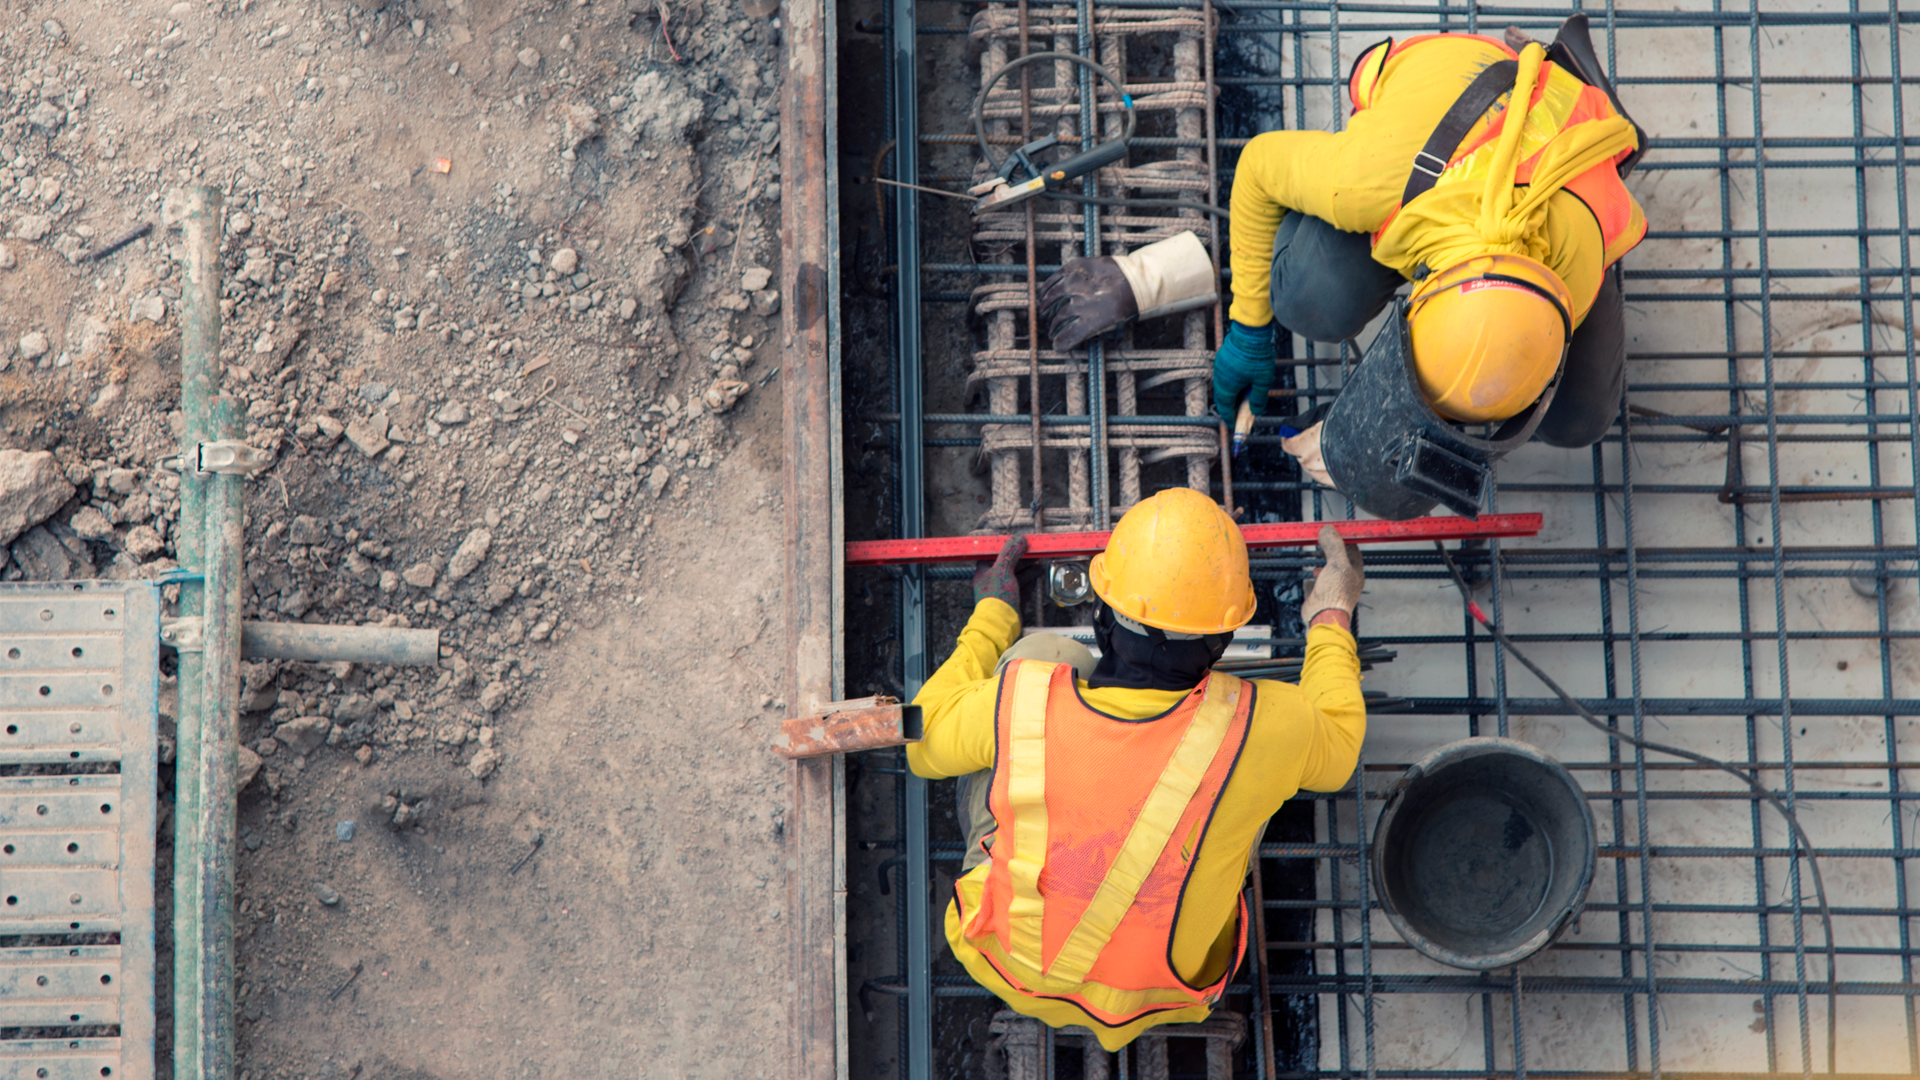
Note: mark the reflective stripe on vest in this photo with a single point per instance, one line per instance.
(1560, 101)
(1024, 920)
(1027, 791)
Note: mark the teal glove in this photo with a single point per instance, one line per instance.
(996, 579)
(1243, 367)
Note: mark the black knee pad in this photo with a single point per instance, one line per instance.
(1325, 284)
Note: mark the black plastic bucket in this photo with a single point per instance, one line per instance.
(1484, 853)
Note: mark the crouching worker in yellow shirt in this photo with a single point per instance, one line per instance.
(1487, 173)
(1114, 808)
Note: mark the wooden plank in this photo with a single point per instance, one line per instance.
(809, 363)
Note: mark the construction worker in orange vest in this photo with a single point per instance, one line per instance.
(1510, 233)
(1113, 807)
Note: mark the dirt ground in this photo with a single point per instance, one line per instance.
(499, 303)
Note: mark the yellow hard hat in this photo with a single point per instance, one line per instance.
(1176, 561)
(1488, 335)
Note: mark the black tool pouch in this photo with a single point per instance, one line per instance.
(1388, 451)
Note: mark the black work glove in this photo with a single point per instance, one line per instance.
(1084, 299)
(1089, 297)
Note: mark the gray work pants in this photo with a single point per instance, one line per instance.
(1326, 286)
(970, 806)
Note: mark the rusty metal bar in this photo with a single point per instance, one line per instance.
(843, 727)
(1736, 492)
(1033, 283)
(1213, 246)
(1263, 957)
(916, 1021)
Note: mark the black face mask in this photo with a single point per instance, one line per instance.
(1151, 661)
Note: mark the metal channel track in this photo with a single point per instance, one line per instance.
(1753, 598)
(79, 686)
(916, 901)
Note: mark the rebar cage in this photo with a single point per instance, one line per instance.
(1731, 570)
(1105, 380)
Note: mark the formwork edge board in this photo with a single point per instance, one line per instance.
(809, 359)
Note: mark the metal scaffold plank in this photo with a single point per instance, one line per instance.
(64, 1059)
(52, 987)
(79, 686)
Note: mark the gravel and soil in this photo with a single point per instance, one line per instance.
(499, 303)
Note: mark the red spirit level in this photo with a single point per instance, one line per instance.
(955, 549)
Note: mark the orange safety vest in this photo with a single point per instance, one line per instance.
(1098, 822)
(1560, 101)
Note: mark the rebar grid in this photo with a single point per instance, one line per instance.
(1805, 379)
(1731, 570)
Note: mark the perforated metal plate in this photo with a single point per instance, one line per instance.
(79, 709)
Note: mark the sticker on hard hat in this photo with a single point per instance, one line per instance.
(1482, 283)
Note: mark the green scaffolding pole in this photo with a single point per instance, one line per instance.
(208, 542)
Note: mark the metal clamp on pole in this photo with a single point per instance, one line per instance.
(845, 726)
(232, 457)
(185, 634)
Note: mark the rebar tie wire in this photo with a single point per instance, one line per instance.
(1802, 843)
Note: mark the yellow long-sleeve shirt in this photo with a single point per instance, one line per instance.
(1306, 736)
(1353, 179)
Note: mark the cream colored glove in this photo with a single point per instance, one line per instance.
(1305, 447)
(1338, 584)
(1172, 275)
